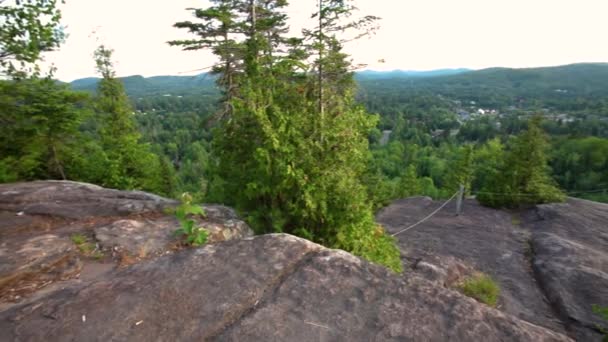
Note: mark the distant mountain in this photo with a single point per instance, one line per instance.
(491, 87)
(567, 87)
(184, 85)
(371, 74)
(139, 86)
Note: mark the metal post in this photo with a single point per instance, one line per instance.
(459, 200)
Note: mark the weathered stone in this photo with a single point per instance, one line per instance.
(267, 288)
(34, 262)
(482, 239)
(445, 271)
(145, 237)
(74, 200)
(551, 263)
(37, 221)
(137, 238)
(570, 245)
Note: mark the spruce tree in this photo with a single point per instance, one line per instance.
(409, 184)
(292, 161)
(130, 164)
(460, 170)
(39, 134)
(216, 29)
(524, 177)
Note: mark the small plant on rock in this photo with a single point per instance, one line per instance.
(602, 312)
(86, 247)
(193, 235)
(78, 239)
(482, 288)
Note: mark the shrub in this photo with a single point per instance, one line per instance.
(194, 236)
(483, 288)
(371, 244)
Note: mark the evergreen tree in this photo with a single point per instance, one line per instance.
(460, 170)
(409, 184)
(217, 29)
(168, 181)
(39, 133)
(131, 165)
(524, 177)
(293, 165)
(487, 161)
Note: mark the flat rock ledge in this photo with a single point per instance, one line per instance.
(39, 220)
(268, 288)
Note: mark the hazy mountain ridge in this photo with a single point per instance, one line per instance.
(574, 87)
(585, 79)
(138, 85)
(372, 74)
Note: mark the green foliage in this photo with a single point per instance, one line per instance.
(130, 163)
(581, 165)
(487, 161)
(523, 177)
(461, 170)
(293, 153)
(409, 185)
(85, 246)
(372, 244)
(602, 312)
(39, 134)
(195, 236)
(78, 239)
(483, 288)
(412, 109)
(27, 29)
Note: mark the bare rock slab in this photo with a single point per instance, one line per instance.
(74, 200)
(267, 288)
(39, 219)
(484, 239)
(570, 245)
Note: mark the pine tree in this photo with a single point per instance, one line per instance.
(168, 182)
(288, 163)
(487, 161)
(131, 165)
(524, 177)
(39, 134)
(460, 170)
(219, 25)
(409, 184)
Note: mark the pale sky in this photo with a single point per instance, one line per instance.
(414, 34)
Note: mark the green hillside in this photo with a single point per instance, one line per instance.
(571, 87)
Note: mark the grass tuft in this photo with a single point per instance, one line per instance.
(482, 288)
(78, 239)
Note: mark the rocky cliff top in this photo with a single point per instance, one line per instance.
(53, 231)
(551, 261)
(135, 284)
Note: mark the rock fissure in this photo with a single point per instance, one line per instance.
(267, 293)
(557, 310)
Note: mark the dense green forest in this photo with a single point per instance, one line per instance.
(283, 129)
(430, 116)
